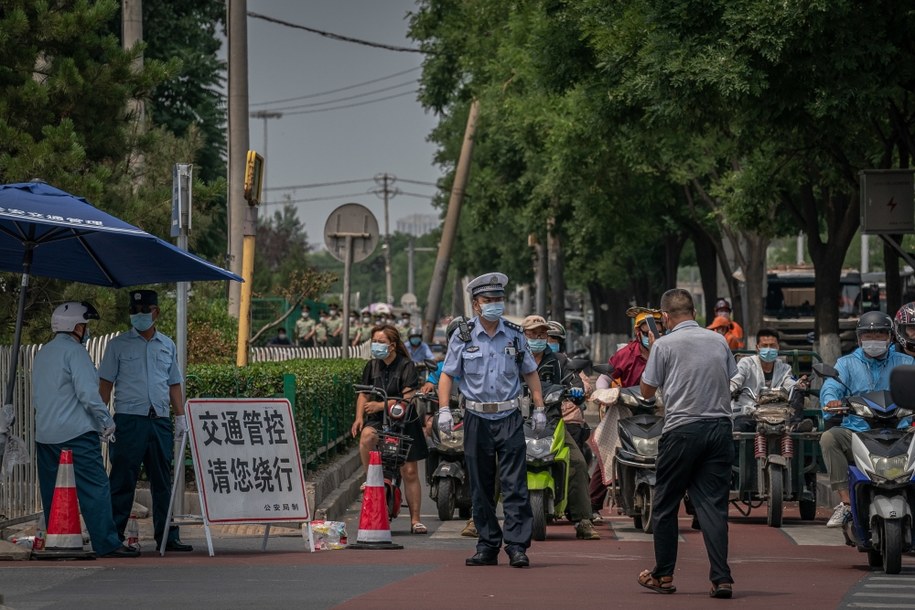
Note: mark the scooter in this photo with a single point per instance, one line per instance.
(547, 463)
(636, 458)
(881, 481)
(446, 473)
(393, 444)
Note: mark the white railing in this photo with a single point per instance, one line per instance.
(19, 495)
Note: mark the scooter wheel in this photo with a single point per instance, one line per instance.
(538, 508)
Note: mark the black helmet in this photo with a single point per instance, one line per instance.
(556, 330)
(874, 321)
(453, 326)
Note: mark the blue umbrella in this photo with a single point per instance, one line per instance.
(48, 232)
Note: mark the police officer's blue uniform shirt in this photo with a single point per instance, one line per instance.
(65, 392)
(862, 375)
(143, 371)
(486, 366)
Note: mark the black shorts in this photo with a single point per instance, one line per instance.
(414, 429)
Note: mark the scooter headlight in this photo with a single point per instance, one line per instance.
(890, 468)
(453, 441)
(539, 448)
(553, 397)
(646, 446)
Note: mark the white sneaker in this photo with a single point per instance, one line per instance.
(839, 515)
(596, 518)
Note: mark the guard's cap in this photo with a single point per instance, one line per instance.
(532, 322)
(722, 304)
(144, 297)
(488, 285)
(719, 322)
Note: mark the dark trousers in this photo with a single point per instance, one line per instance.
(597, 490)
(91, 482)
(579, 505)
(488, 445)
(142, 440)
(694, 458)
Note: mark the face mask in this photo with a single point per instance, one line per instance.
(644, 341)
(379, 350)
(492, 311)
(281, 337)
(537, 345)
(366, 321)
(768, 354)
(874, 349)
(85, 338)
(414, 341)
(141, 321)
(553, 347)
(724, 313)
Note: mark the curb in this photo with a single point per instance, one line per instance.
(338, 486)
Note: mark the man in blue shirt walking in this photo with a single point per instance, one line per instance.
(141, 366)
(69, 414)
(491, 356)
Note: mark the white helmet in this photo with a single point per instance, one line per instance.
(69, 314)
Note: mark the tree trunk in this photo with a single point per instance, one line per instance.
(755, 279)
(557, 275)
(673, 247)
(541, 277)
(708, 270)
(893, 280)
(611, 325)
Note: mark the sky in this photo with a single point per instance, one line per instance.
(345, 144)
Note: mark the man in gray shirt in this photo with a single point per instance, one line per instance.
(693, 366)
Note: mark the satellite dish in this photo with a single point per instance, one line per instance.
(356, 221)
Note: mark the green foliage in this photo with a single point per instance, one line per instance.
(325, 403)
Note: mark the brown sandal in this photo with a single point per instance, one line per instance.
(665, 584)
(722, 590)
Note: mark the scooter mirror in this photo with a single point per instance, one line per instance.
(430, 365)
(578, 364)
(902, 386)
(825, 370)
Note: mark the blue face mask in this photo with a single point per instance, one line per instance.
(768, 354)
(85, 338)
(141, 321)
(380, 350)
(645, 341)
(553, 347)
(492, 311)
(537, 345)
(415, 341)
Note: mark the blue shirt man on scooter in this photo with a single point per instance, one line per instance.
(867, 369)
(491, 358)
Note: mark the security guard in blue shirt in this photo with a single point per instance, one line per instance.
(141, 365)
(490, 355)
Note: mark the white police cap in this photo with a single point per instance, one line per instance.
(488, 285)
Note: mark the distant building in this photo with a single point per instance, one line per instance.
(418, 224)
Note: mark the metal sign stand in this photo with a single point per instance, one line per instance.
(188, 519)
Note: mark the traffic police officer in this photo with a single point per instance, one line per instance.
(490, 355)
(141, 365)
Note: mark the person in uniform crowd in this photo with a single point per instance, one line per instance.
(334, 327)
(866, 369)
(365, 330)
(141, 366)
(321, 329)
(390, 368)
(416, 347)
(281, 338)
(355, 330)
(904, 328)
(734, 334)
(695, 452)
(551, 371)
(70, 414)
(305, 328)
(491, 358)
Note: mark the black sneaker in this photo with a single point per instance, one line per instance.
(124, 551)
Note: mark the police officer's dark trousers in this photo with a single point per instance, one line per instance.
(694, 458)
(147, 441)
(91, 486)
(485, 442)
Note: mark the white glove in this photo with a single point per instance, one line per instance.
(445, 421)
(180, 425)
(538, 419)
(107, 434)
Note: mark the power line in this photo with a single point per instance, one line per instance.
(338, 90)
(420, 195)
(308, 199)
(417, 182)
(353, 105)
(317, 185)
(333, 36)
(347, 98)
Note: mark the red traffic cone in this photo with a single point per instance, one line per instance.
(64, 538)
(374, 529)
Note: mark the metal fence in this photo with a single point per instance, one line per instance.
(19, 495)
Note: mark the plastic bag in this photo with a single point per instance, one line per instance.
(17, 452)
(329, 535)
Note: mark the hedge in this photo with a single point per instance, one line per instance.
(325, 403)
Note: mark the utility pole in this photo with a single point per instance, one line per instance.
(238, 140)
(265, 115)
(449, 230)
(385, 180)
(132, 35)
(411, 250)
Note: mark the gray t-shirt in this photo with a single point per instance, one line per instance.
(693, 366)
